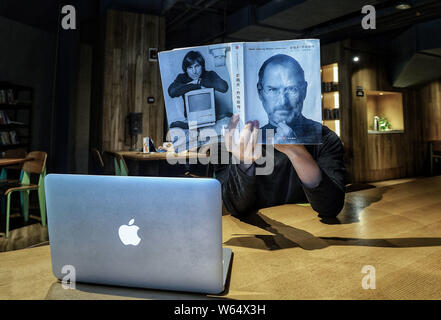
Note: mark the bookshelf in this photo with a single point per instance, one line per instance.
(330, 97)
(15, 116)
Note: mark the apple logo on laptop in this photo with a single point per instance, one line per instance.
(129, 234)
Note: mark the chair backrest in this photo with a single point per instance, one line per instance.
(120, 165)
(123, 169)
(98, 162)
(37, 164)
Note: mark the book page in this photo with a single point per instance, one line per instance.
(197, 91)
(283, 89)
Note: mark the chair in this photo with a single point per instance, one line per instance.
(119, 163)
(35, 166)
(98, 163)
(434, 153)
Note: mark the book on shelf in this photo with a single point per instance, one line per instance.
(10, 96)
(5, 138)
(3, 96)
(277, 83)
(14, 137)
(4, 118)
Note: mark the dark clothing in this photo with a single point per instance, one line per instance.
(208, 79)
(306, 131)
(243, 194)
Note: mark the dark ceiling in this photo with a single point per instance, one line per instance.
(195, 22)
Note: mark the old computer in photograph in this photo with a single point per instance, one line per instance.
(200, 108)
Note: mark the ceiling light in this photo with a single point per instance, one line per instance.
(356, 59)
(403, 6)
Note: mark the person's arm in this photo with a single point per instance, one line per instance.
(322, 179)
(238, 189)
(179, 87)
(212, 80)
(238, 180)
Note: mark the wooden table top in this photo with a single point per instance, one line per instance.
(136, 155)
(287, 252)
(12, 161)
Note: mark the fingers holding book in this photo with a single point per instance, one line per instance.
(245, 148)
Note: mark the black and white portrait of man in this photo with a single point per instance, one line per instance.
(282, 90)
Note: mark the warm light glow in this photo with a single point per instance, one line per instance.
(336, 100)
(337, 127)
(381, 93)
(403, 6)
(335, 69)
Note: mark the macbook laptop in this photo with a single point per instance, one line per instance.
(147, 232)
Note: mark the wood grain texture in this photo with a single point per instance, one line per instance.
(429, 100)
(130, 78)
(373, 158)
(386, 156)
(287, 252)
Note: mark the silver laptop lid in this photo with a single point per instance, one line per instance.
(150, 232)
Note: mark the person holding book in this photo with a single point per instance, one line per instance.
(282, 90)
(301, 174)
(194, 77)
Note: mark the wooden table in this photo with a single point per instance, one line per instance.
(154, 163)
(136, 155)
(287, 252)
(13, 161)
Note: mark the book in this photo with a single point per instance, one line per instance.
(14, 138)
(277, 83)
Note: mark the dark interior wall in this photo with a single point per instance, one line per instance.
(429, 104)
(27, 57)
(82, 109)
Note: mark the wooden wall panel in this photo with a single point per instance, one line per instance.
(429, 102)
(383, 156)
(387, 156)
(129, 78)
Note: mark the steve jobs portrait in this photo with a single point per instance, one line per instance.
(282, 89)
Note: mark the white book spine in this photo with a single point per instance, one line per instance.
(238, 77)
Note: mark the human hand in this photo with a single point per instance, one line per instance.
(194, 81)
(291, 149)
(246, 150)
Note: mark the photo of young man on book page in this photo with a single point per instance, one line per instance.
(185, 74)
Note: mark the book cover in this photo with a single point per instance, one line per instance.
(283, 90)
(276, 82)
(197, 93)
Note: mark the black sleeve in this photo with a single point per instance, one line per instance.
(212, 80)
(328, 197)
(238, 188)
(179, 87)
